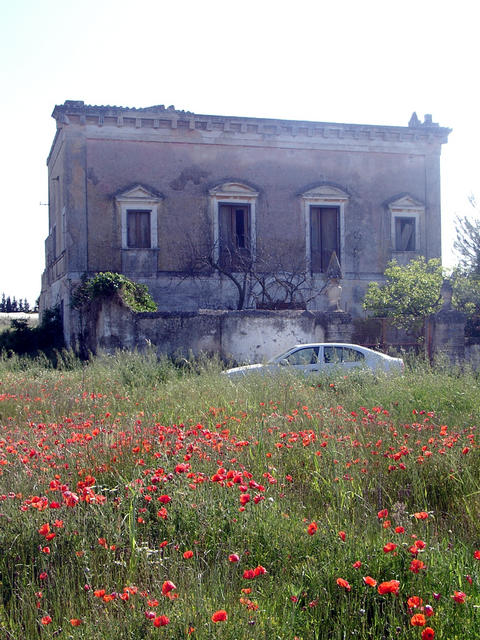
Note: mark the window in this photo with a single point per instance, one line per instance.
(233, 211)
(336, 355)
(404, 234)
(306, 356)
(138, 210)
(324, 236)
(407, 220)
(324, 215)
(234, 230)
(138, 229)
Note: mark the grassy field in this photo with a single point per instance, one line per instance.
(139, 500)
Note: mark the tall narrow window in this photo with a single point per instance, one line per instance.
(324, 208)
(139, 212)
(138, 229)
(324, 236)
(234, 232)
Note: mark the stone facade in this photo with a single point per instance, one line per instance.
(144, 191)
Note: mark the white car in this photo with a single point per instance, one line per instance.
(324, 357)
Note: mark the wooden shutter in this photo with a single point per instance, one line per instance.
(138, 229)
(324, 236)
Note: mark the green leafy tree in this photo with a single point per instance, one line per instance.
(410, 293)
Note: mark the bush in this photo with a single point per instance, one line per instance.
(47, 337)
(106, 284)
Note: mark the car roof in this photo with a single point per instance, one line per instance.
(337, 344)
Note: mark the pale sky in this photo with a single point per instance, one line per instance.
(366, 62)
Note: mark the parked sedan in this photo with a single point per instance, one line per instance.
(324, 357)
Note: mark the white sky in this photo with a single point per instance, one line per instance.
(368, 62)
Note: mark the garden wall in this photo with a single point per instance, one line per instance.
(245, 336)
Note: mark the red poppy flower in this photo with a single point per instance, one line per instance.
(414, 601)
(371, 582)
(161, 621)
(46, 620)
(75, 622)
(476, 555)
(259, 571)
(342, 535)
(382, 514)
(343, 583)
(164, 499)
(312, 528)
(219, 616)
(421, 515)
(244, 498)
(167, 586)
(416, 565)
(390, 546)
(459, 596)
(234, 557)
(399, 530)
(418, 620)
(428, 633)
(357, 564)
(391, 586)
(187, 554)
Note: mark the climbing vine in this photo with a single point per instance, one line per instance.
(106, 284)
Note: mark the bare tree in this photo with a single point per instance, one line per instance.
(277, 280)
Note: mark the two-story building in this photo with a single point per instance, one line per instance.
(179, 201)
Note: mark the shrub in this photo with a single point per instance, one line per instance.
(106, 284)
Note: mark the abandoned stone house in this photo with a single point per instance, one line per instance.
(179, 201)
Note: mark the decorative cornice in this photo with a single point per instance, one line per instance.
(157, 118)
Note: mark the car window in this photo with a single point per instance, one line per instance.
(332, 355)
(309, 355)
(352, 355)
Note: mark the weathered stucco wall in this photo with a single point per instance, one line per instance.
(245, 336)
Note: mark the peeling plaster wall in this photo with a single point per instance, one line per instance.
(245, 336)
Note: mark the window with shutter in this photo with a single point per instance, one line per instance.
(138, 229)
(324, 236)
(234, 233)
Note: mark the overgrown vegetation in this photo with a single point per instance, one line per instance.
(410, 293)
(23, 339)
(136, 494)
(107, 284)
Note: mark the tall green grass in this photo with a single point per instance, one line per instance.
(321, 449)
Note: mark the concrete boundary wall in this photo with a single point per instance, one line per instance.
(244, 336)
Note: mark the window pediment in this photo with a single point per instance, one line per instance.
(138, 193)
(233, 190)
(406, 203)
(327, 193)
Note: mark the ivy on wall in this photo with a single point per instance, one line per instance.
(106, 284)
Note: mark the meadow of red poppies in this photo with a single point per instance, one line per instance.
(143, 500)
